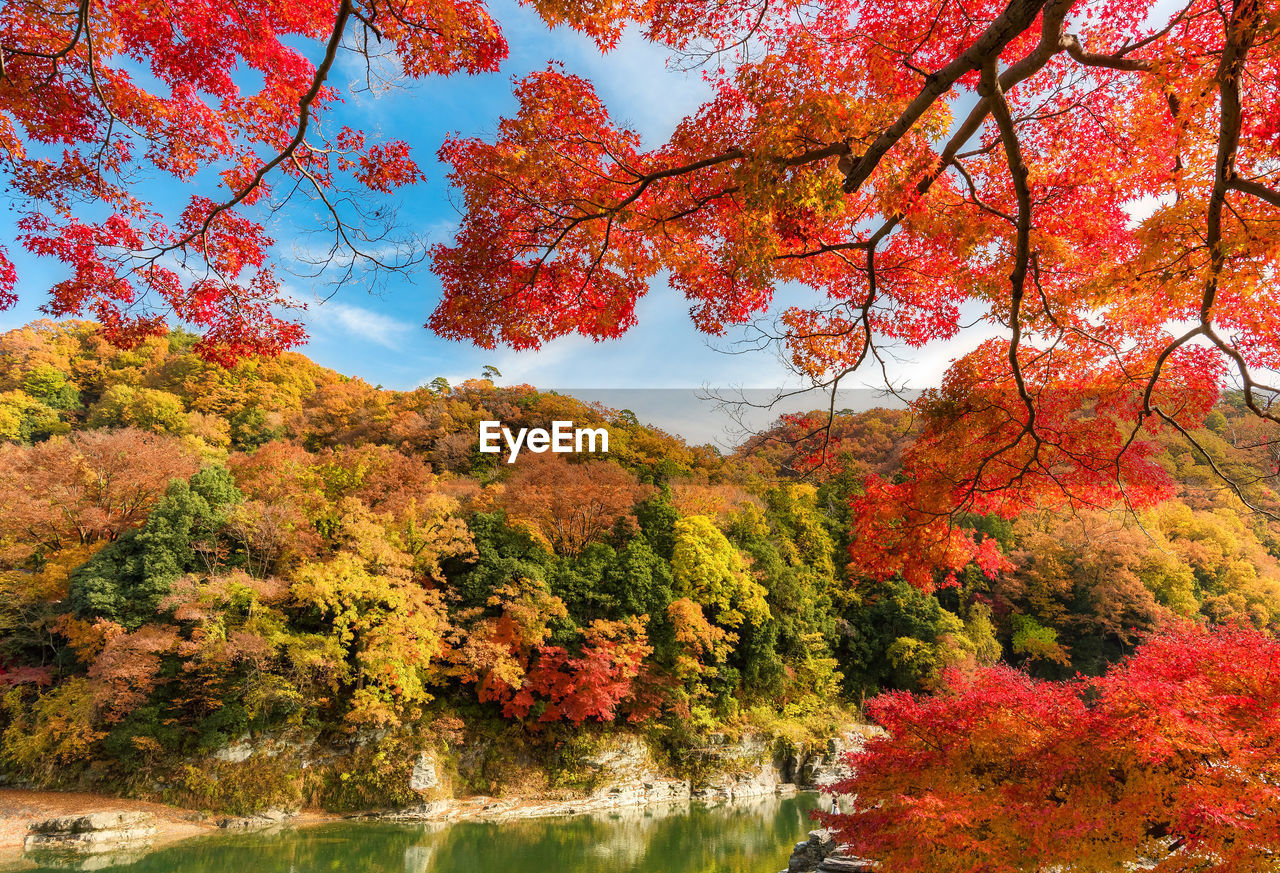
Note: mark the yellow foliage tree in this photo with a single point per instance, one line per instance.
(709, 570)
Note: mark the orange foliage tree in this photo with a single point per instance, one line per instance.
(86, 487)
(571, 504)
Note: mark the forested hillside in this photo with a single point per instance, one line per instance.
(191, 553)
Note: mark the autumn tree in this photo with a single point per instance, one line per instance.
(699, 652)
(239, 660)
(95, 96)
(1165, 763)
(142, 408)
(787, 656)
(85, 487)
(571, 504)
(128, 580)
(591, 684)
(707, 568)
(1078, 589)
(492, 645)
(820, 445)
(381, 602)
(1094, 184)
(1081, 176)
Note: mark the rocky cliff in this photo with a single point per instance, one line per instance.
(623, 773)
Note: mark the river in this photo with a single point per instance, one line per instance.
(745, 837)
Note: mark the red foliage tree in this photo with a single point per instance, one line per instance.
(1168, 762)
(1076, 177)
(575, 688)
(95, 95)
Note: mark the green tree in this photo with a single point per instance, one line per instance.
(52, 387)
(638, 581)
(503, 554)
(250, 428)
(898, 637)
(657, 519)
(24, 419)
(127, 581)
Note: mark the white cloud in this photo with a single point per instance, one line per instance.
(440, 231)
(639, 87)
(370, 326)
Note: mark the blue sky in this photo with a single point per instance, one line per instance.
(381, 338)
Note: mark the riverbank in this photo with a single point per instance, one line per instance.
(19, 809)
(623, 775)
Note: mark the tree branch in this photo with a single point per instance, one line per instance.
(1016, 18)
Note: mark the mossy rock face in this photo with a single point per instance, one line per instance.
(372, 776)
(590, 762)
(622, 756)
(495, 763)
(245, 787)
(424, 778)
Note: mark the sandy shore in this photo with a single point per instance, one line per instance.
(19, 808)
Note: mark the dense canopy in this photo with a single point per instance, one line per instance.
(192, 553)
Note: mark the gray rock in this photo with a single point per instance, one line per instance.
(92, 832)
(624, 756)
(624, 775)
(829, 765)
(845, 864)
(424, 776)
(436, 810)
(808, 854)
(638, 793)
(748, 768)
(820, 854)
(237, 752)
(93, 821)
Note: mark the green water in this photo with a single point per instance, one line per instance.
(747, 837)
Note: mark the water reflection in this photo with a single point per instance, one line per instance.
(746, 837)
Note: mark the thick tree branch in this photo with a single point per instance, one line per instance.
(1022, 246)
(1255, 189)
(1112, 62)
(1017, 17)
